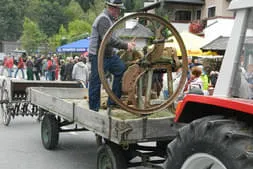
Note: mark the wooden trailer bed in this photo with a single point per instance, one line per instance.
(117, 126)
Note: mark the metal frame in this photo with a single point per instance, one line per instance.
(230, 63)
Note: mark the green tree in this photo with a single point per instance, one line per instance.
(78, 27)
(61, 2)
(32, 37)
(138, 5)
(58, 39)
(95, 9)
(74, 11)
(11, 19)
(51, 17)
(85, 4)
(32, 10)
(130, 5)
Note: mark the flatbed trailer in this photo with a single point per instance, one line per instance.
(118, 132)
(13, 96)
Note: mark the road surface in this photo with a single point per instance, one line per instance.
(21, 148)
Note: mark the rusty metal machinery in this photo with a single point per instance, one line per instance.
(14, 99)
(138, 79)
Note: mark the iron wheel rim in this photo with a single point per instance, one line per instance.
(173, 97)
(203, 160)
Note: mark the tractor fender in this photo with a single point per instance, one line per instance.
(194, 106)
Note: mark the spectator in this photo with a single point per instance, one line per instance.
(49, 69)
(44, 69)
(56, 66)
(195, 81)
(176, 76)
(76, 60)
(204, 79)
(9, 65)
(69, 69)
(37, 66)
(249, 78)
(62, 71)
(80, 71)
(20, 67)
(213, 77)
(29, 67)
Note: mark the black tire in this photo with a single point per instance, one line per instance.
(109, 156)
(49, 132)
(5, 111)
(228, 141)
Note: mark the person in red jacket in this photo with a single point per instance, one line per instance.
(20, 66)
(9, 65)
(57, 67)
(49, 69)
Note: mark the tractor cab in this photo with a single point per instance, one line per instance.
(219, 129)
(233, 91)
(236, 74)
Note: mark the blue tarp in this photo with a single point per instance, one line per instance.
(77, 46)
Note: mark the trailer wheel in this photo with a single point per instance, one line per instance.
(110, 156)
(49, 131)
(211, 143)
(5, 110)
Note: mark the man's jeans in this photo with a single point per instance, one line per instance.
(22, 71)
(49, 75)
(9, 72)
(116, 67)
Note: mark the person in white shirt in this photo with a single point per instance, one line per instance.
(195, 81)
(80, 71)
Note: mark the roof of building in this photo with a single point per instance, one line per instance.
(138, 31)
(220, 44)
(185, 2)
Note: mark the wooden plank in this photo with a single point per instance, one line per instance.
(138, 129)
(52, 104)
(64, 93)
(96, 122)
(143, 129)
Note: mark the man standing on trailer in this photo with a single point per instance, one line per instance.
(112, 62)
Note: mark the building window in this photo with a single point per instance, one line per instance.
(211, 12)
(183, 16)
(198, 14)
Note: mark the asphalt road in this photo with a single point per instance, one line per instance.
(21, 147)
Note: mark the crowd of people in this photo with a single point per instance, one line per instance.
(201, 82)
(198, 80)
(51, 67)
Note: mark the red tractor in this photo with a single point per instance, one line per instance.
(219, 134)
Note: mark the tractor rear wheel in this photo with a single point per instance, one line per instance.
(212, 143)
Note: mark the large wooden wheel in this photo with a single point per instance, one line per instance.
(148, 64)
